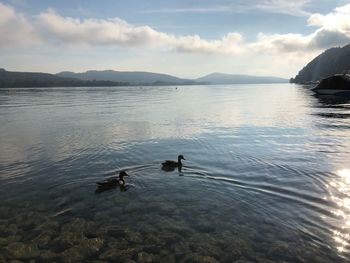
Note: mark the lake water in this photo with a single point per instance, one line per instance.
(266, 176)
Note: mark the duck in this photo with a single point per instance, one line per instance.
(169, 165)
(112, 182)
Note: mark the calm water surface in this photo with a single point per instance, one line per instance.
(267, 175)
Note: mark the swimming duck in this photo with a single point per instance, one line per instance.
(169, 165)
(112, 182)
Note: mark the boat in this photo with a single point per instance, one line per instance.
(338, 84)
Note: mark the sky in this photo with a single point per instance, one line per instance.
(185, 38)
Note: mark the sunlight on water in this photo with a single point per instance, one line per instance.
(341, 197)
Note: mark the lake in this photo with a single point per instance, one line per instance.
(266, 176)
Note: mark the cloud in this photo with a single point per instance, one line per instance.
(97, 31)
(338, 19)
(50, 28)
(326, 38)
(286, 43)
(116, 32)
(15, 29)
(229, 44)
(287, 7)
(333, 29)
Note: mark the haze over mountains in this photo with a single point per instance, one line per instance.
(118, 78)
(11, 79)
(133, 78)
(330, 62)
(155, 78)
(221, 78)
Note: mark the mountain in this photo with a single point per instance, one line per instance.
(13, 79)
(220, 78)
(332, 61)
(92, 78)
(134, 78)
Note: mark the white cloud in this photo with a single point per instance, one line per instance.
(231, 44)
(15, 29)
(281, 43)
(333, 29)
(287, 7)
(97, 31)
(338, 19)
(116, 32)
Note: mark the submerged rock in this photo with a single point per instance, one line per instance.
(85, 249)
(42, 240)
(118, 244)
(167, 259)
(79, 225)
(119, 255)
(4, 241)
(111, 231)
(67, 239)
(195, 258)
(48, 226)
(8, 230)
(73, 233)
(177, 227)
(72, 255)
(20, 250)
(133, 236)
(90, 246)
(49, 256)
(280, 251)
(238, 248)
(243, 260)
(144, 257)
(169, 237)
(181, 249)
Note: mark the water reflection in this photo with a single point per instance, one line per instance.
(333, 114)
(333, 101)
(340, 194)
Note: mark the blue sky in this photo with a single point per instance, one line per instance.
(183, 38)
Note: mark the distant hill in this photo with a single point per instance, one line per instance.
(332, 61)
(220, 78)
(13, 79)
(133, 78)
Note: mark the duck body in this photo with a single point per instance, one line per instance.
(112, 182)
(169, 165)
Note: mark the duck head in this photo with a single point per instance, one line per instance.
(122, 174)
(180, 157)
